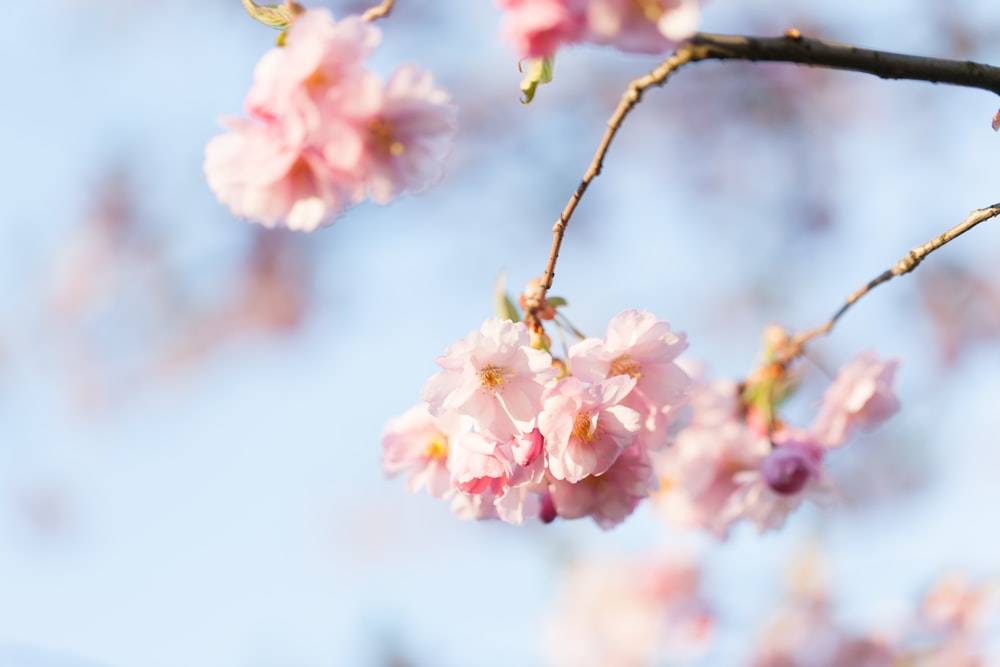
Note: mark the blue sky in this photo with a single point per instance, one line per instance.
(234, 514)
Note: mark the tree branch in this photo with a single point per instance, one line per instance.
(790, 48)
(902, 267)
(379, 11)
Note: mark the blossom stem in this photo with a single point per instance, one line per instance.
(792, 47)
(902, 267)
(379, 11)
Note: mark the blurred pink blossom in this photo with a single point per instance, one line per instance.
(325, 130)
(861, 396)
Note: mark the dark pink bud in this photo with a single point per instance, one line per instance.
(787, 470)
(547, 511)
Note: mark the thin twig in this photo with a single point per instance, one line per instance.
(790, 48)
(902, 267)
(379, 11)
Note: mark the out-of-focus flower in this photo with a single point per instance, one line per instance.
(537, 28)
(628, 614)
(325, 130)
(861, 396)
(643, 26)
(417, 444)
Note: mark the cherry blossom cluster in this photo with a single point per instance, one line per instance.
(537, 28)
(732, 461)
(508, 432)
(325, 132)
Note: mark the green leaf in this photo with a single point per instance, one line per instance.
(538, 71)
(279, 17)
(505, 308)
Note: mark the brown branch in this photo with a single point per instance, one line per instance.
(379, 11)
(791, 48)
(902, 267)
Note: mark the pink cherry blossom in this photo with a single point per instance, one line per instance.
(417, 444)
(697, 472)
(861, 396)
(537, 28)
(608, 498)
(329, 130)
(494, 377)
(269, 173)
(586, 427)
(307, 74)
(789, 474)
(408, 129)
(478, 466)
(643, 26)
(628, 613)
(641, 346)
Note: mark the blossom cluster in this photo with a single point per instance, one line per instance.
(507, 432)
(537, 28)
(324, 131)
(730, 463)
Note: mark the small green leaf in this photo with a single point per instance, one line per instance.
(279, 17)
(556, 301)
(538, 71)
(505, 308)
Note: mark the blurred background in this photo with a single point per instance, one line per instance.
(191, 407)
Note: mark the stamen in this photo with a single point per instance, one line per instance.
(586, 428)
(384, 137)
(624, 365)
(437, 448)
(491, 378)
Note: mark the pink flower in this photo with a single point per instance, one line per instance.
(697, 473)
(494, 377)
(417, 444)
(861, 396)
(306, 76)
(330, 131)
(789, 474)
(408, 126)
(270, 174)
(537, 28)
(644, 26)
(627, 613)
(586, 427)
(478, 466)
(640, 346)
(608, 498)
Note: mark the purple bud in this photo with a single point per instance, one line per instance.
(547, 511)
(787, 469)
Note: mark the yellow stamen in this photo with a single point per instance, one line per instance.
(651, 9)
(437, 448)
(624, 365)
(384, 137)
(586, 428)
(491, 377)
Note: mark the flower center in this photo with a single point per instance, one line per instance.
(650, 9)
(384, 137)
(624, 365)
(437, 448)
(491, 377)
(586, 428)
